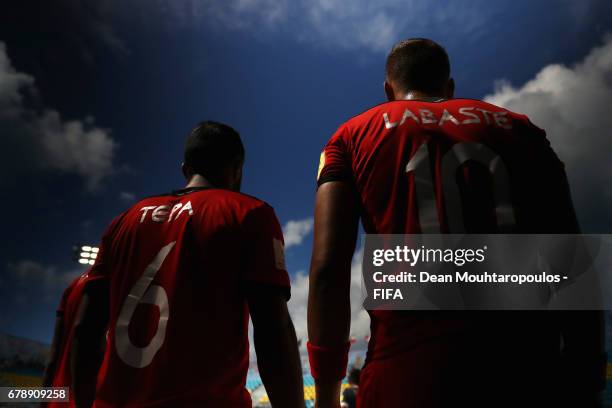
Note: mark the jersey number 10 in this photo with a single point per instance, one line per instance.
(460, 153)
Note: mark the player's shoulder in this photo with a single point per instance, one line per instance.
(80, 282)
(366, 116)
(234, 203)
(485, 107)
(481, 104)
(74, 289)
(238, 199)
(155, 199)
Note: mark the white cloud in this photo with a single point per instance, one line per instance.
(298, 305)
(229, 14)
(357, 24)
(573, 105)
(11, 82)
(32, 289)
(295, 231)
(127, 196)
(33, 280)
(353, 24)
(40, 140)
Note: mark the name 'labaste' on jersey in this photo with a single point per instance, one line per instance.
(178, 267)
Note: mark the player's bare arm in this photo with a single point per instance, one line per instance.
(276, 346)
(86, 351)
(329, 308)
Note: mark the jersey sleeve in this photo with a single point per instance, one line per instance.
(264, 250)
(335, 160)
(100, 269)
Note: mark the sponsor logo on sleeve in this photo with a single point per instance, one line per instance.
(321, 163)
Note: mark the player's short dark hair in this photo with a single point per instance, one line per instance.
(210, 147)
(418, 64)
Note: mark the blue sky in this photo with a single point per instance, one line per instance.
(96, 99)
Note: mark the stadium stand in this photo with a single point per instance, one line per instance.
(22, 361)
(309, 393)
(253, 383)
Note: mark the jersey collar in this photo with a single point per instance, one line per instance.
(411, 97)
(184, 191)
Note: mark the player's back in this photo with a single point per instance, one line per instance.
(455, 166)
(178, 314)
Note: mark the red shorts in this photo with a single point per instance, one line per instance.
(438, 374)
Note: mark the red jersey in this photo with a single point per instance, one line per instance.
(451, 166)
(178, 266)
(67, 310)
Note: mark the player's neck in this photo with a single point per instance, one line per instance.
(420, 96)
(198, 180)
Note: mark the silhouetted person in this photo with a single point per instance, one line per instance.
(349, 394)
(385, 166)
(175, 280)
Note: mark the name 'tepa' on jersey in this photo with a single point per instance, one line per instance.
(163, 213)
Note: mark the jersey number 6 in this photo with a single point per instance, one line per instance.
(143, 292)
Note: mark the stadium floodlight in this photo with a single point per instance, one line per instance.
(86, 254)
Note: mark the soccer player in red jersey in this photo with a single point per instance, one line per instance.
(57, 373)
(427, 163)
(175, 280)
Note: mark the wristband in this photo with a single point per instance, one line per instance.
(327, 363)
